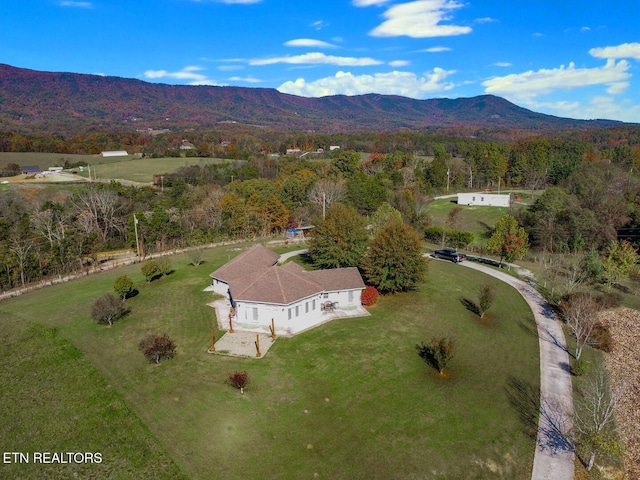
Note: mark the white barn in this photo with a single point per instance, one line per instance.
(484, 199)
(295, 299)
(115, 153)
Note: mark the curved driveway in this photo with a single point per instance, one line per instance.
(554, 456)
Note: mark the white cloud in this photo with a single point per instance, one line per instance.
(76, 4)
(319, 24)
(239, 2)
(626, 50)
(368, 3)
(230, 68)
(420, 19)
(485, 20)
(308, 42)
(393, 83)
(245, 79)
(189, 73)
(317, 58)
(502, 64)
(525, 87)
(585, 29)
(436, 49)
(399, 63)
(598, 107)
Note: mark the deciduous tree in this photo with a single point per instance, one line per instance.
(123, 286)
(486, 296)
(157, 347)
(107, 309)
(580, 311)
(508, 240)
(437, 353)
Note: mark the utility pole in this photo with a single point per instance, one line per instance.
(324, 201)
(448, 172)
(135, 227)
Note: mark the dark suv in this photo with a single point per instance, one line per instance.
(449, 254)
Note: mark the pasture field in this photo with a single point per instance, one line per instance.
(348, 400)
(125, 168)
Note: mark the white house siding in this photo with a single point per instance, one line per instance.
(306, 310)
(484, 199)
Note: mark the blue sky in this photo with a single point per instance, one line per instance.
(571, 59)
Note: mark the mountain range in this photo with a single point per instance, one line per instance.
(39, 102)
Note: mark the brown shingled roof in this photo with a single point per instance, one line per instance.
(253, 276)
(257, 257)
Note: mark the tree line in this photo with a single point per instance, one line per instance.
(587, 202)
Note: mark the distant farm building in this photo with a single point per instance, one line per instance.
(114, 153)
(31, 169)
(484, 199)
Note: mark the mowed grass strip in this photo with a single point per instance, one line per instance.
(54, 400)
(348, 400)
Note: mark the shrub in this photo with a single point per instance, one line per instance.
(107, 309)
(150, 270)
(369, 295)
(438, 353)
(123, 286)
(239, 380)
(157, 347)
(455, 238)
(611, 299)
(601, 338)
(579, 368)
(164, 265)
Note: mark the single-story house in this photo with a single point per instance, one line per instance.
(260, 291)
(485, 199)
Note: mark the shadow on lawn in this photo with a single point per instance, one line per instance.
(470, 305)
(525, 400)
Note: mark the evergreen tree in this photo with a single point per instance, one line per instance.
(394, 260)
(340, 239)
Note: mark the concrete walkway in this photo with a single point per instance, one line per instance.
(554, 455)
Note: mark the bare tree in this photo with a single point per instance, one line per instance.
(580, 311)
(20, 249)
(101, 211)
(595, 414)
(325, 192)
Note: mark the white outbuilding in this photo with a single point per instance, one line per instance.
(484, 199)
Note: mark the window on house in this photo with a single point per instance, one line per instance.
(473, 199)
(350, 296)
(255, 314)
(297, 310)
(325, 295)
(289, 313)
(313, 304)
(306, 307)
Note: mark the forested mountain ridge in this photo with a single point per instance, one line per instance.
(35, 102)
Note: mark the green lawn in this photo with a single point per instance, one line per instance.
(142, 169)
(348, 400)
(477, 219)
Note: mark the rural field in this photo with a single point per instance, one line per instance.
(140, 170)
(348, 400)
